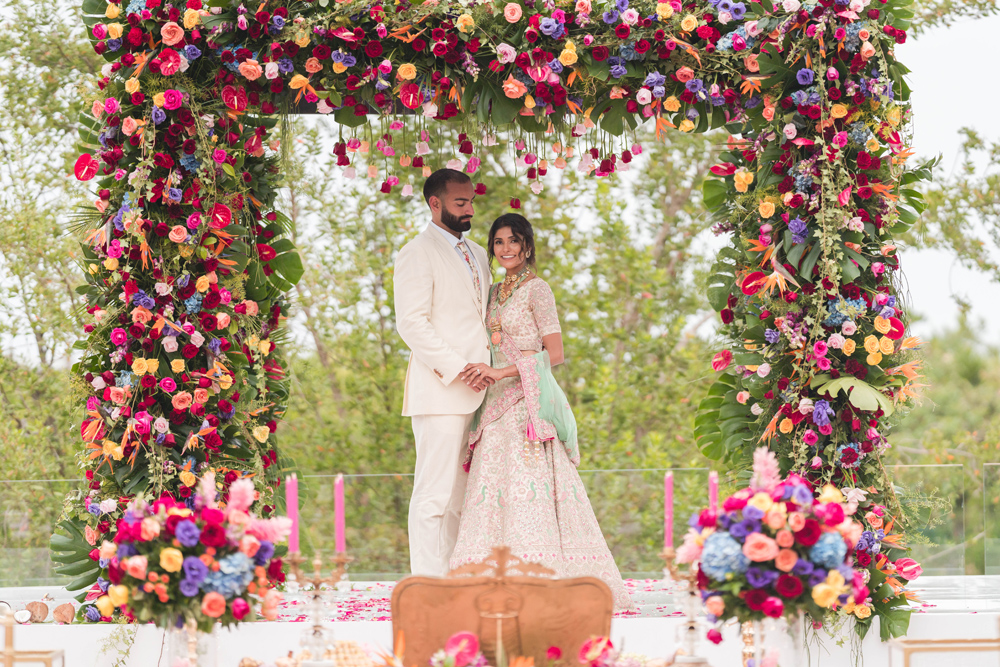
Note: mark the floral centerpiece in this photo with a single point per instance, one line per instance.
(175, 565)
(781, 547)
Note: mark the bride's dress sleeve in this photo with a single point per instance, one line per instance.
(543, 308)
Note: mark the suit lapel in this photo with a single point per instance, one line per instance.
(453, 260)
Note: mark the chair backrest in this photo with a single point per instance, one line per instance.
(502, 600)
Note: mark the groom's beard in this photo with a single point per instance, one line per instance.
(456, 223)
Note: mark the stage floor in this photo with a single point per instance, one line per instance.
(953, 608)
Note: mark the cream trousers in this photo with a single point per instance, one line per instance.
(438, 490)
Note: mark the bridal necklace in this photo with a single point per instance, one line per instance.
(510, 284)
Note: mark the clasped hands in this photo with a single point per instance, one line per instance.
(480, 376)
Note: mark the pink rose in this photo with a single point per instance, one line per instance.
(240, 609)
(171, 33)
(177, 234)
(168, 385)
(512, 12)
(219, 155)
(786, 560)
(251, 69)
(118, 336)
(784, 538)
(715, 605)
(111, 105)
(172, 99)
(773, 607)
(759, 548)
(685, 74)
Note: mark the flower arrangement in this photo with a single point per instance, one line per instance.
(173, 564)
(780, 547)
(188, 260)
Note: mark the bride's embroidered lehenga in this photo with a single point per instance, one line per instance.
(524, 490)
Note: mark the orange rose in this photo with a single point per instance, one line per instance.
(513, 88)
(181, 400)
(251, 69)
(201, 395)
(786, 560)
(129, 125)
(874, 520)
(750, 62)
(313, 65)
(760, 548)
(784, 538)
(177, 234)
(171, 33)
(213, 605)
(140, 314)
(796, 522)
(685, 74)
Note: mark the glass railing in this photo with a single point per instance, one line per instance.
(628, 505)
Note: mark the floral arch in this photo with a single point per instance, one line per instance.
(188, 261)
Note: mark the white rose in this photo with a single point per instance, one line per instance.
(630, 17)
(791, 5)
(197, 339)
(98, 383)
(806, 406)
(430, 110)
(271, 71)
(161, 425)
(849, 328)
(756, 409)
(725, 18)
(644, 96)
(789, 131)
(323, 106)
(163, 289)
(170, 344)
(109, 505)
(764, 370)
(836, 341)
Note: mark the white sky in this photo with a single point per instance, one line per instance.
(950, 93)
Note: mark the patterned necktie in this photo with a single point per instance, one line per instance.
(475, 272)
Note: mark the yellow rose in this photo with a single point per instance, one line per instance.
(191, 18)
(786, 425)
(893, 115)
(835, 579)
(568, 57)
(139, 366)
(849, 347)
(831, 494)
(664, 10)
(871, 344)
(112, 11)
(177, 365)
(407, 72)
(825, 595)
(882, 325)
(838, 111)
(111, 263)
(570, 46)
(465, 23)
(202, 284)
(872, 145)
(265, 346)
(105, 605)
(339, 68)
(849, 607)
(766, 209)
(171, 559)
(689, 23)
(874, 359)
(132, 86)
(761, 501)
(686, 125)
(742, 180)
(187, 478)
(159, 99)
(118, 595)
(862, 611)
(152, 365)
(261, 433)
(302, 40)
(671, 104)
(226, 381)
(886, 346)
(114, 30)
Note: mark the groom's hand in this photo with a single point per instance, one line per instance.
(477, 376)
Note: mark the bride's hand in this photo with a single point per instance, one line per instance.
(480, 376)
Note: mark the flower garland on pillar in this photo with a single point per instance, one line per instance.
(188, 261)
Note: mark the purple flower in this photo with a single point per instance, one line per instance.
(187, 533)
(189, 588)
(194, 569)
(159, 115)
(802, 568)
(738, 10)
(610, 17)
(264, 553)
(621, 5)
(126, 549)
(751, 512)
(822, 412)
(760, 578)
(192, 52)
(738, 530)
(772, 335)
(103, 584)
(805, 76)
(654, 79)
(695, 85)
(548, 26)
(817, 577)
(91, 614)
(801, 495)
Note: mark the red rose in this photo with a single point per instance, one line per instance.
(788, 586)
(600, 53)
(439, 49)
(213, 535)
(211, 300)
(622, 31)
(773, 607)
(865, 192)
(373, 49)
(863, 558)
(755, 599)
(809, 534)
(189, 351)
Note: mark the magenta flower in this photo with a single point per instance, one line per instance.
(118, 336)
(219, 155)
(168, 385)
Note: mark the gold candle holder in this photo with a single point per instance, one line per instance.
(317, 639)
(687, 654)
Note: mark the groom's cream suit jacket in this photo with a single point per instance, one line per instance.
(441, 321)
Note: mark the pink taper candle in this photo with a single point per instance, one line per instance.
(338, 514)
(713, 492)
(668, 510)
(292, 507)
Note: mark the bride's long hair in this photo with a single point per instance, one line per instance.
(522, 231)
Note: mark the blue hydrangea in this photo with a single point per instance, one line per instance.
(135, 7)
(231, 579)
(829, 551)
(627, 52)
(124, 379)
(190, 162)
(840, 310)
(722, 556)
(193, 304)
(852, 42)
(859, 133)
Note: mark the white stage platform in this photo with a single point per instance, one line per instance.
(953, 608)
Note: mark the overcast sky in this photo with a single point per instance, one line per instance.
(942, 104)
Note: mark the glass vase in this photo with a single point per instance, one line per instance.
(189, 647)
(774, 642)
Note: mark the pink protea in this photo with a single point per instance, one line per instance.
(270, 530)
(241, 495)
(765, 470)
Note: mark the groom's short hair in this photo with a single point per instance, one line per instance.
(437, 183)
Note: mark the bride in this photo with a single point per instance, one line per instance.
(523, 489)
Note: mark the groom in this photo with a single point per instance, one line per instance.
(441, 284)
